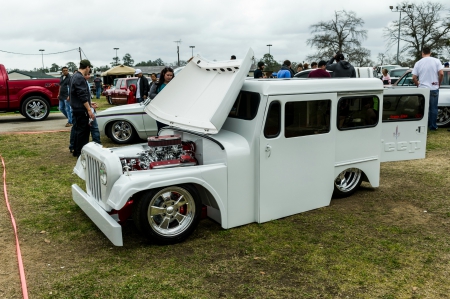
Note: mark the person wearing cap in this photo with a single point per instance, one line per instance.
(141, 87)
(446, 64)
(80, 101)
(341, 68)
(320, 72)
(259, 72)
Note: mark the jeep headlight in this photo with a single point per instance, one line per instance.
(103, 174)
(83, 159)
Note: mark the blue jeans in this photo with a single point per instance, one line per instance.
(95, 133)
(98, 91)
(64, 107)
(433, 109)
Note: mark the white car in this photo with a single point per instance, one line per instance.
(248, 150)
(126, 123)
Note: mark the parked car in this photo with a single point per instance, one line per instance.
(248, 150)
(125, 124)
(32, 98)
(119, 95)
(443, 117)
(396, 73)
(389, 67)
(305, 73)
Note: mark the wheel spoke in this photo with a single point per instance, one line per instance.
(180, 202)
(180, 218)
(165, 223)
(154, 211)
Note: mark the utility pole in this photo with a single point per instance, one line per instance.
(79, 50)
(117, 58)
(192, 47)
(178, 50)
(42, 52)
(269, 45)
(404, 8)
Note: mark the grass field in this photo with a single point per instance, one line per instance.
(388, 242)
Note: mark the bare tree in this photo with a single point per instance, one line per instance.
(422, 25)
(342, 34)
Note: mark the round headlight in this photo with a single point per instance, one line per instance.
(103, 175)
(83, 159)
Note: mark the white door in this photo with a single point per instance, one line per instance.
(405, 122)
(297, 149)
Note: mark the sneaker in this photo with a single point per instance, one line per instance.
(68, 125)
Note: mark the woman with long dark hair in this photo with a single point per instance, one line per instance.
(164, 78)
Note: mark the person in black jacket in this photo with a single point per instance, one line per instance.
(141, 87)
(80, 101)
(341, 68)
(63, 95)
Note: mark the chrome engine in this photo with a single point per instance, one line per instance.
(164, 152)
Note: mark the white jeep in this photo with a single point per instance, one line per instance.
(248, 150)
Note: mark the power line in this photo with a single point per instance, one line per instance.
(84, 54)
(41, 54)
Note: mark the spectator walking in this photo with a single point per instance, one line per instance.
(429, 70)
(259, 72)
(314, 65)
(63, 95)
(341, 68)
(386, 78)
(80, 100)
(141, 86)
(98, 86)
(285, 72)
(164, 78)
(320, 72)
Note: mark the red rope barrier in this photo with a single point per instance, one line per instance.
(23, 280)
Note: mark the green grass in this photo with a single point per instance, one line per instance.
(379, 243)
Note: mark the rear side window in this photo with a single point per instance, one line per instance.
(245, 106)
(403, 108)
(357, 112)
(272, 127)
(306, 118)
(132, 81)
(406, 80)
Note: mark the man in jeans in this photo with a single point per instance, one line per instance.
(429, 71)
(98, 86)
(63, 96)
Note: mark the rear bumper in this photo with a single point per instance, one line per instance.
(110, 227)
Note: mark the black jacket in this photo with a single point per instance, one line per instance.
(64, 87)
(79, 93)
(341, 69)
(143, 87)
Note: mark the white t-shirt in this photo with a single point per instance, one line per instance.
(138, 90)
(427, 70)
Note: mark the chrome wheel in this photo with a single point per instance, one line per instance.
(108, 98)
(347, 182)
(443, 117)
(35, 108)
(122, 131)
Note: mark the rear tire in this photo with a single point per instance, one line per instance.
(168, 215)
(35, 108)
(347, 182)
(443, 117)
(108, 98)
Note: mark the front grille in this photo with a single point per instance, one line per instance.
(93, 183)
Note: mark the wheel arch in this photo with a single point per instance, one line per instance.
(25, 96)
(370, 171)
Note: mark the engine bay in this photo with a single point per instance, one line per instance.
(163, 152)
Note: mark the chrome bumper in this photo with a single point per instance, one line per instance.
(110, 227)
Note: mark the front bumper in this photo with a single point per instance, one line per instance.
(109, 226)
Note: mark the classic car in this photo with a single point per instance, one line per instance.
(119, 95)
(396, 73)
(248, 150)
(443, 117)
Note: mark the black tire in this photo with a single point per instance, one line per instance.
(121, 131)
(168, 215)
(443, 117)
(35, 108)
(347, 182)
(108, 98)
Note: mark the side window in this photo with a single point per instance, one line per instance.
(403, 107)
(357, 112)
(118, 83)
(123, 83)
(446, 79)
(406, 80)
(133, 81)
(245, 106)
(307, 118)
(272, 127)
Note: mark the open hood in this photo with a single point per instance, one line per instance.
(200, 97)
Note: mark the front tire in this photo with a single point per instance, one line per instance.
(168, 215)
(108, 98)
(35, 108)
(121, 131)
(347, 182)
(443, 117)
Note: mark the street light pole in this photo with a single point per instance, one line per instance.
(404, 8)
(269, 45)
(192, 47)
(42, 52)
(117, 58)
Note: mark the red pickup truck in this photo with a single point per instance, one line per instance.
(32, 98)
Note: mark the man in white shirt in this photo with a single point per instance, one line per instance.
(141, 87)
(429, 71)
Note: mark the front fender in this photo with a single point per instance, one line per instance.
(211, 177)
(444, 97)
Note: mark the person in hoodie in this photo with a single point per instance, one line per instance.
(285, 71)
(341, 68)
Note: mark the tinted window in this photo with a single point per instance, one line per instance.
(273, 121)
(446, 79)
(406, 80)
(307, 118)
(357, 112)
(401, 108)
(245, 106)
(397, 73)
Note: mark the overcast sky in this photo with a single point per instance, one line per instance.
(148, 29)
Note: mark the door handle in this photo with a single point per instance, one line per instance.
(268, 150)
